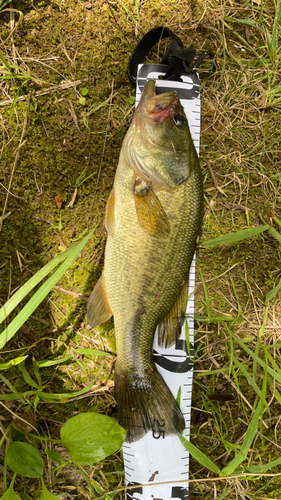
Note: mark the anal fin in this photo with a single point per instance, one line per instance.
(169, 329)
(98, 309)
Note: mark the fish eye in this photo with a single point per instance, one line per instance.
(179, 120)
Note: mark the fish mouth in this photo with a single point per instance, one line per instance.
(161, 106)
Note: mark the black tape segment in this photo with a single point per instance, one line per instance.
(180, 58)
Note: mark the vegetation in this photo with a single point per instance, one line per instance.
(65, 107)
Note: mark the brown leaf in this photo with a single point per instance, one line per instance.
(59, 201)
(222, 396)
(198, 416)
(26, 421)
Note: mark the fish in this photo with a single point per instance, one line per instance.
(153, 220)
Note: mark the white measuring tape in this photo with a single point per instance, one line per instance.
(157, 458)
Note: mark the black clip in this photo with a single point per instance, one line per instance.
(179, 59)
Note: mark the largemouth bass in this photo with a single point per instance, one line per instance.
(153, 218)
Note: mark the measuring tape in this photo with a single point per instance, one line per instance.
(157, 458)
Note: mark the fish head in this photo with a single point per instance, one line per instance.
(161, 143)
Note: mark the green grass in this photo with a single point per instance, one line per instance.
(70, 148)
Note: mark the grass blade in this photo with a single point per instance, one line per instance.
(223, 495)
(272, 293)
(256, 358)
(52, 362)
(91, 352)
(251, 381)
(249, 437)
(234, 237)
(275, 233)
(256, 469)
(58, 397)
(31, 283)
(12, 362)
(43, 291)
(200, 456)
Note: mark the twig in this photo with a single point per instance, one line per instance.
(68, 292)
(15, 25)
(61, 86)
(21, 143)
(214, 178)
(73, 115)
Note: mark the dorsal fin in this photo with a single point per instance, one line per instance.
(169, 329)
(151, 215)
(98, 309)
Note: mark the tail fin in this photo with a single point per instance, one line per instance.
(145, 403)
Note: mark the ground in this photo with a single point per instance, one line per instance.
(66, 105)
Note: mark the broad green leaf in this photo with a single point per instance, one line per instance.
(24, 459)
(10, 494)
(31, 283)
(84, 91)
(234, 237)
(248, 439)
(91, 352)
(90, 437)
(46, 495)
(200, 456)
(43, 291)
(12, 362)
(55, 456)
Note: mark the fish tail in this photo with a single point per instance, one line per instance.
(145, 403)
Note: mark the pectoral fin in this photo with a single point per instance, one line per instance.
(169, 329)
(109, 214)
(98, 310)
(151, 215)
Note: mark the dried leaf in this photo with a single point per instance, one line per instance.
(59, 201)
(222, 396)
(26, 421)
(73, 198)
